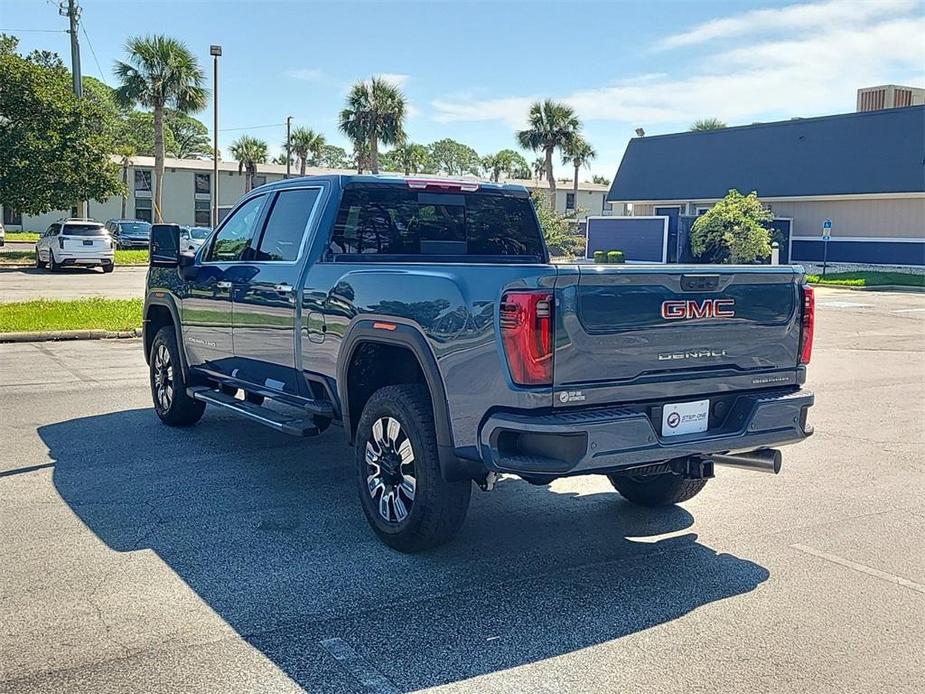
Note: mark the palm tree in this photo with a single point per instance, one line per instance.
(507, 162)
(411, 157)
(306, 142)
(126, 152)
(375, 113)
(552, 125)
(248, 152)
(160, 73)
(579, 154)
(707, 124)
(539, 167)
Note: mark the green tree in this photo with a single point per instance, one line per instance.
(136, 130)
(281, 159)
(707, 124)
(160, 73)
(507, 162)
(552, 125)
(559, 238)
(733, 230)
(334, 157)
(454, 158)
(248, 152)
(55, 148)
(306, 144)
(411, 158)
(190, 135)
(375, 112)
(579, 154)
(601, 180)
(539, 168)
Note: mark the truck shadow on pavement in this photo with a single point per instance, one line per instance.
(268, 531)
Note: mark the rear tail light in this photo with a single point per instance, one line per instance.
(60, 242)
(526, 332)
(809, 324)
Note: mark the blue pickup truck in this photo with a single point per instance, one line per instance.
(424, 318)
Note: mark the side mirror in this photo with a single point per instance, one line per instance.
(165, 245)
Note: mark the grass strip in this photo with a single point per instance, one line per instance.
(123, 258)
(76, 314)
(868, 278)
(24, 236)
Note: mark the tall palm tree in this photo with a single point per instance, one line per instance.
(411, 157)
(125, 152)
(248, 152)
(160, 73)
(539, 167)
(552, 125)
(375, 113)
(306, 142)
(579, 154)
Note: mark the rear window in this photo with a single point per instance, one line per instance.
(84, 230)
(396, 221)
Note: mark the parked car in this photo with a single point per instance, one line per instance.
(2, 235)
(192, 238)
(83, 242)
(129, 233)
(424, 316)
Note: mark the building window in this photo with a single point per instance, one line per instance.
(143, 209)
(258, 181)
(702, 210)
(143, 183)
(202, 184)
(203, 213)
(570, 201)
(11, 218)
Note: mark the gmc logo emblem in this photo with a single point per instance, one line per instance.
(708, 308)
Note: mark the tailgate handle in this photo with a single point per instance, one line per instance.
(699, 283)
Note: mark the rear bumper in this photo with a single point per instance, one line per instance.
(582, 441)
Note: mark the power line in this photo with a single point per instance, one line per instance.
(83, 28)
(37, 31)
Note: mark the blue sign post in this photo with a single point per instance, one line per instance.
(826, 237)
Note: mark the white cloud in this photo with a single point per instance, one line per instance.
(800, 18)
(396, 78)
(309, 74)
(513, 110)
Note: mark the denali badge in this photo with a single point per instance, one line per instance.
(689, 308)
(694, 354)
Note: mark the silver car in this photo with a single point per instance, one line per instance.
(192, 238)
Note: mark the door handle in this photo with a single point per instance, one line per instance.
(223, 284)
(283, 288)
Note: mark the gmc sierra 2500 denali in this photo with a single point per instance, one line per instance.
(424, 317)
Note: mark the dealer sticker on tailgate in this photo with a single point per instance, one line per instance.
(685, 417)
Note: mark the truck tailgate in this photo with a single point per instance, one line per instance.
(637, 333)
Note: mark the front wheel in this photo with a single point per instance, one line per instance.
(39, 263)
(405, 498)
(655, 490)
(168, 387)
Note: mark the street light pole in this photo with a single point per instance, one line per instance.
(288, 144)
(215, 52)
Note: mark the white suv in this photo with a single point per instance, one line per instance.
(82, 242)
(2, 234)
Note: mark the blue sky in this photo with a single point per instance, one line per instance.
(470, 70)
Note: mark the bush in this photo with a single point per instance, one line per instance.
(600, 257)
(559, 239)
(615, 257)
(733, 231)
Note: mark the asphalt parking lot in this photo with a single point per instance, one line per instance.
(25, 284)
(229, 558)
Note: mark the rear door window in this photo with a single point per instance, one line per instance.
(286, 225)
(396, 221)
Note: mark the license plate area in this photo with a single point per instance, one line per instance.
(679, 418)
(88, 243)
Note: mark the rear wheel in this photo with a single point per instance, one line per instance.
(168, 386)
(53, 265)
(408, 503)
(655, 490)
(109, 267)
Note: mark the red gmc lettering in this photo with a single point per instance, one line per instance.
(708, 308)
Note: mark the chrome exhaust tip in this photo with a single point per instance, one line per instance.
(765, 460)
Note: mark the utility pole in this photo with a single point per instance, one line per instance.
(215, 52)
(72, 12)
(288, 144)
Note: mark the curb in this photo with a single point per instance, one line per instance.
(55, 335)
(876, 288)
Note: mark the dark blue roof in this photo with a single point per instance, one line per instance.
(871, 152)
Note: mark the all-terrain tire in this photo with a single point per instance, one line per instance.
(168, 385)
(438, 507)
(656, 490)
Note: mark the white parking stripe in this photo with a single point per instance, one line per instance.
(842, 304)
(907, 310)
(373, 680)
(898, 580)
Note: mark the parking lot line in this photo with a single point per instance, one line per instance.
(373, 680)
(908, 310)
(892, 578)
